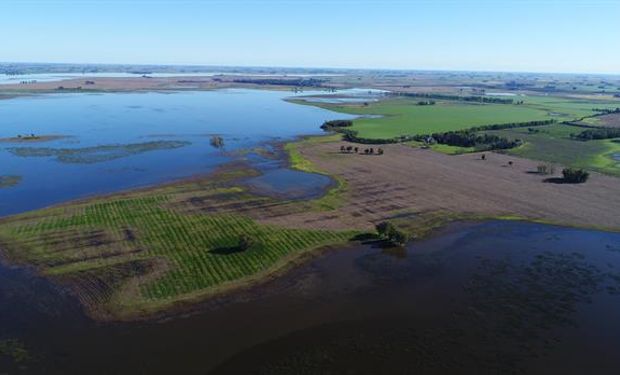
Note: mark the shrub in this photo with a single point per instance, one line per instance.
(545, 169)
(575, 176)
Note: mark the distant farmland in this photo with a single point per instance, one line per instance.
(403, 116)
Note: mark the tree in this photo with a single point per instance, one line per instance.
(245, 242)
(387, 231)
(575, 176)
(217, 141)
(384, 228)
(398, 237)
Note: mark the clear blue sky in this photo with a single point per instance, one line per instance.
(513, 35)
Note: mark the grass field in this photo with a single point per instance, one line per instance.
(553, 144)
(402, 116)
(145, 251)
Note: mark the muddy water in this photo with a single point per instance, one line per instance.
(495, 297)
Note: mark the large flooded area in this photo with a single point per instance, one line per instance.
(88, 144)
(495, 297)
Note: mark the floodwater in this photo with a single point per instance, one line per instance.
(289, 184)
(496, 297)
(118, 141)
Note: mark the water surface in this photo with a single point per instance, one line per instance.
(496, 297)
(119, 141)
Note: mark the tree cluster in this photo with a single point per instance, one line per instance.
(478, 99)
(606, 111)
(335, 124)
(575, 176)
(597, 133)
(468, 138)
(389, 232)
(299, 82)
(367, 151)
(426, 102)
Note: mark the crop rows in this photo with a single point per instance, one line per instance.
(200, 251)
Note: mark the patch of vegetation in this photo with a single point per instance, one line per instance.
(9, 181)
(31, 138)
(95, 154)
(14, 350)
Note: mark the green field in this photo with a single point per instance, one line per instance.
(402, 116)
(553, 144)
(143, 252)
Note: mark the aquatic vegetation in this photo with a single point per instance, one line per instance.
(14, 350)
(95, 154)
(8, 181)
(28, 138)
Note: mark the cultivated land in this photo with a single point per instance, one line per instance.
(398, 116)
(408, 182)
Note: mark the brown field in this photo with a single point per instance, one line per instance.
(611, 120)
(411, 181)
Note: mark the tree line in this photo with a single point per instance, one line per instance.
(299, 82)
(597, 133)
(333, 125)
(471, 98)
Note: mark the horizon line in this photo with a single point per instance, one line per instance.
(317, 67)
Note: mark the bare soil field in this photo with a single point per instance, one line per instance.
(611, 120)
(407, 181)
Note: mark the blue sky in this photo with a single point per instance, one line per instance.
(507, 35)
